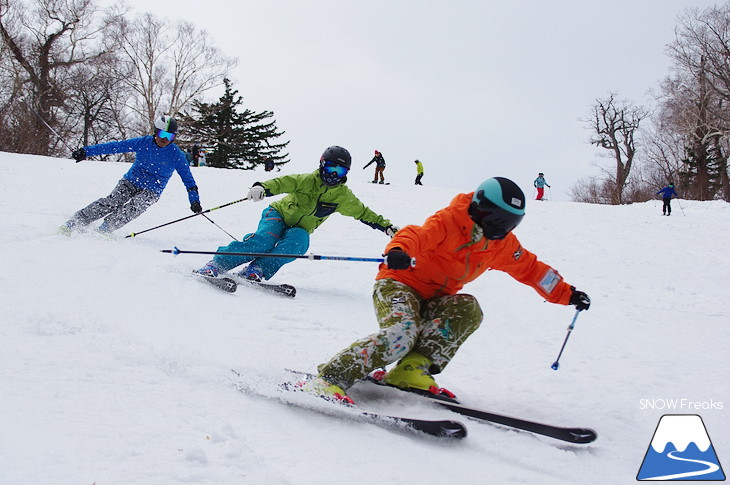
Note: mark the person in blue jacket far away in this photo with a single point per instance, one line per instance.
(667, 193)
(157, 157)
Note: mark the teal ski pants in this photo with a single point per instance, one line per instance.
(272, 236)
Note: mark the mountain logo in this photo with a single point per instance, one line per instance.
(681, 450)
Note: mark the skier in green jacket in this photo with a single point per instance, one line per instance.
(286, 224)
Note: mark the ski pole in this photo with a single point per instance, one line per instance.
(682, 208)
(177, 251)
(219, 227)
(44, 122)
(556, 364)
(187, 217)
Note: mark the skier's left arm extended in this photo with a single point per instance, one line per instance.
(352, 206)
(524, 266)
(183, 169)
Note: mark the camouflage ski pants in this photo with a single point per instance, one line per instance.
(435, 328)
(126, 202)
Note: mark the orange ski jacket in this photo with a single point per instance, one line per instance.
(447, 258)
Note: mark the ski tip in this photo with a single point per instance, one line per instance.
(453, 429)
(583, 435)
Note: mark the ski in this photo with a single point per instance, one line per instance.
(281, 290)
(221, 282)
(571, 435)
(435, 428)
(231, 283)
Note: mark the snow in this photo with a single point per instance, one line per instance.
(681, 431)
(115, 363)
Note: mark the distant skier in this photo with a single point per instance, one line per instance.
(419, 172)
(379, 167)
(157, 157)
(286, 224)
(540, 184)
(422, 316)
(667, 193)
(268, 164)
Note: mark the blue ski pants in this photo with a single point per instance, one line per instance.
(272, 236)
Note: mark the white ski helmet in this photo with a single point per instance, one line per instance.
(166, 123)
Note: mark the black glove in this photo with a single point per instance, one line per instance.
(579, 299)
(397, 259)
(78, 154)
(195, 207)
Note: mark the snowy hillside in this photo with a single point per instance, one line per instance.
(115, 362)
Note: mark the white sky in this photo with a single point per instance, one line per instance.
(473, 89)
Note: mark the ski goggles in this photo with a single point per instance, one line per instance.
(165, 134)
(333, 168)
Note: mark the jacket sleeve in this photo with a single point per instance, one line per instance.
(418, 239)
(282, 185)
(524, 266)
(183, 169)
(352, 206)
(124, 146)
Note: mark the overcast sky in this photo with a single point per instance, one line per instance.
(473, 89)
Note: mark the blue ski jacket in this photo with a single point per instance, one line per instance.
(153, 166)
(667, 192)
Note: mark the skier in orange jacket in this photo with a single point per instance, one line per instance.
(422, 316)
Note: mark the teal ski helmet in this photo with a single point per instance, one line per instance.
(498, 206)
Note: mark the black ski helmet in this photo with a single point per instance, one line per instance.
(498, 206)
(166, 123)
(338, 155)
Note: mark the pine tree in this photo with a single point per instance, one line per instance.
(234, 138)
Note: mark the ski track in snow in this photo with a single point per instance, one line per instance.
(115, 364)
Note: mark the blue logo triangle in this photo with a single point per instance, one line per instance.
(681, 450)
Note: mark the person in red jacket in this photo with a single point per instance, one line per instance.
(422, 316)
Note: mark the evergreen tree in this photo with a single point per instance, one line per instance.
(234, 138)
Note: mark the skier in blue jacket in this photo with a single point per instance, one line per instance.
(667, 193)
(157, 157)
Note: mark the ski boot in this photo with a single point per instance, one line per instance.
(411, 374)
(253, 272)
(210, 269)
(321, 388)
(68, 228)
(104, 232)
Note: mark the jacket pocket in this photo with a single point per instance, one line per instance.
(324, 209)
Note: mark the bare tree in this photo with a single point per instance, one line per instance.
(695, 99)
(614, 126)
(591, 190)
(170, 66)
(94, 102)
(664, 150)
(45, 42)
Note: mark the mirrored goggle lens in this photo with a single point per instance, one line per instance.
(334, 169)
(165, 134)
